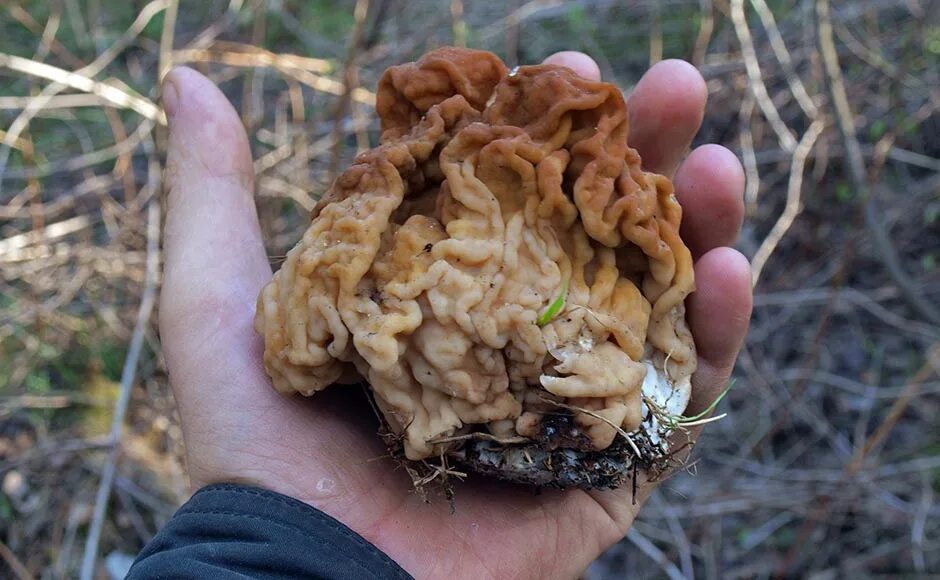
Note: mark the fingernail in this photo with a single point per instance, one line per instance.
(170, 97)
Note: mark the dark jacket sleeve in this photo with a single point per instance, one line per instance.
(233, 531)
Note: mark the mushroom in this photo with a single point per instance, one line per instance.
(501, 272)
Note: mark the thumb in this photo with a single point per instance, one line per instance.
(215, 260)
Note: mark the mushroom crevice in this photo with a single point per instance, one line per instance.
(500, 258)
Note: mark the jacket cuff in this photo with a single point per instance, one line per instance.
(229, 530)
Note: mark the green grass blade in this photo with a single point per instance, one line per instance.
(555, 307)
(710, 407)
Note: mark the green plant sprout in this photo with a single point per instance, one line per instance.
(674, 422)
(555, 307)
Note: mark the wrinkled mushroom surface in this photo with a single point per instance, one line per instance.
(500, 260)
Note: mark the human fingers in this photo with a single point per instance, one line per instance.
(215, 260)
(666, 110)
(710, 188)
(576, 61)
(719, 313)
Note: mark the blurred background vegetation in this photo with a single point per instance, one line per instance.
(828, 464)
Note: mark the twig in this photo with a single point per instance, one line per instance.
(655, 554)
(166, 39)
(518, 16)
(704, 33)
(252, 111)
(57, 102)
(301, 145)
(920, 522)
(759, 535)
(281, 188)
(617, 428)
(679, 537)
(55, 448)
(812, 357)
(73, 521)
(23, 17)
(50, 401)
(32, 186)
(874, 391)
(749, 158)
(246, 55)
(298, 68)
(846, 121)
(911, 157)
(143, 18)
(79, 28)
(783, 56)
(122, 166)
(17, 567)
(232, 14)
(756, 80)
(478, 435)
(911, 391)
(15, 142)
(903, 324)
(50, 232)
(133, 514)
(47, 38)
(350, 82)
(156, 505)
(875, 59)
(118, 97)
(895, 153)
(656, 33)
(794, 203)
(312, 42)
(127, 380)
(377, 16)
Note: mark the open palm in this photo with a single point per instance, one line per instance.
(319, 450)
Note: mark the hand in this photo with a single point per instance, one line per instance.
(238, 429)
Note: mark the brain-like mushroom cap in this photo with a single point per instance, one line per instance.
(499, 256)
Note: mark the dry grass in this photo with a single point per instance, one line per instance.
(828, 462)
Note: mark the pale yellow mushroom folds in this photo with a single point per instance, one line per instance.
(499, 258)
